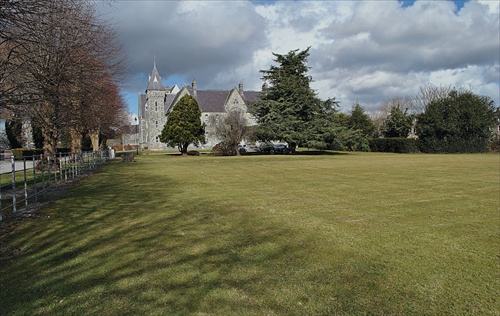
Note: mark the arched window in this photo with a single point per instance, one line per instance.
(156, 106)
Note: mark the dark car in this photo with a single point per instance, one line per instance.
(270, 148)
(281, 149)
(267, 148)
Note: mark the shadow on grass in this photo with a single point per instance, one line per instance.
(128, 245)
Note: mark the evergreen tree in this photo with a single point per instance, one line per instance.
(398, 123)
(460, 122)
(13, 129)
(289, 109)
(359, 120)
(184, 125)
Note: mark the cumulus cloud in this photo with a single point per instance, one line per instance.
(366, 51)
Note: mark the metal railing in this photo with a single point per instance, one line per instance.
(23, 181)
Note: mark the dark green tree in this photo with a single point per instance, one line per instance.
(13, 129)
(289, 109)
(398, 123)
(359, 120)
(184, 125)
(461, 122)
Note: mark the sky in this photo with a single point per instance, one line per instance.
(360, 51)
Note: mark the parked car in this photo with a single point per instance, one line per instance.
(281, 149)
(242, 148)
(267, 148)
(270, 148)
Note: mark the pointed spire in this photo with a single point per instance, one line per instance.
(155, 79)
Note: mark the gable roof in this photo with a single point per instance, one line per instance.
(215, 100)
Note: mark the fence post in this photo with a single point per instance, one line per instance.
(25, 185)
(14, 197)
(1, 217)
(48, 167)
(43, 173)
(34, 178)
(60, 167)
(65, 168)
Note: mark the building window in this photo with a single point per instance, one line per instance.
(156, 107)
(156, 124)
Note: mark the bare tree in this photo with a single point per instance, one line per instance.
(426, 95)
(231, 128)
(56, 59)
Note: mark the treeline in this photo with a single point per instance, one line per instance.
(437, 120)
(60, 67)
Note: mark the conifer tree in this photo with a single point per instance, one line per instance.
(359, 120)
(184, 125)
(289, 109)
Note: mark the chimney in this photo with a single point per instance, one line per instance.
(193, 85)
(240, 88)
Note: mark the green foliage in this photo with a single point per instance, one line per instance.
(184, 125)
(398, 123)
(394, 145)
(13, 129)
(359, 120)
(289, 109)
(459, 123)
(342, 138)
(20, 153)
(37, 135)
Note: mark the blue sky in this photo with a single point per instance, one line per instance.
(361, 51)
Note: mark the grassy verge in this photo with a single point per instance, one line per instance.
(264, 235)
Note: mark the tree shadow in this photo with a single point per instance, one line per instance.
(114, 251)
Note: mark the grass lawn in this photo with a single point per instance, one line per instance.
(341, 234)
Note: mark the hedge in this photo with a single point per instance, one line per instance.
(394, 145)
(20, 153)
(475, 145)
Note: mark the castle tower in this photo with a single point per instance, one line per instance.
(153, 118)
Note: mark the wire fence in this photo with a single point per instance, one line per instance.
(24, 181)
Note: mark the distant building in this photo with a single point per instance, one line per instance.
(158, 100)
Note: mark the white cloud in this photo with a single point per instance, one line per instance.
(369, 51)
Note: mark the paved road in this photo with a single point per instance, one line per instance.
(6, 166)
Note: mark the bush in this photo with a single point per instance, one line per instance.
(495, 144)
(453, 146)
(394, 145)
(20, 153)
(222, 149)
(63, 150)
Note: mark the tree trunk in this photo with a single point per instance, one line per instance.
(237, 150)
(94, 138)
(293, 147)
(184, 149)
(49, 141)
(76, 141)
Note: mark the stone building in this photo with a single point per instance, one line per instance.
(158, 101)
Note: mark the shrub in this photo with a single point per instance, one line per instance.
(394, 145)
(20, 153)
(63, 150)
(495, 144)
(453, 146)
